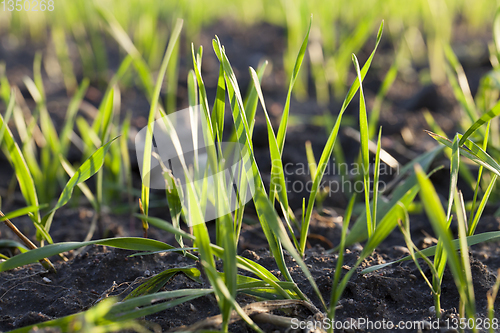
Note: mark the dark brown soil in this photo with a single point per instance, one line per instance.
(30, 295)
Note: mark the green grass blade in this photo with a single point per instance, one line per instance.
(336, 293)
(21, 169)
(251, 99)
(284, 118)
(482, 205)
(84, 172)
(148, 143)
(430, 251)
(8, 114)
(219, 105)
(127, 243)
(155, 283)
(82, 186)
(470, 301)
(437, 216)
(494, 112)
(69, 122)
(455, 160)
(20, 212)
(376, 179)
(124, 40)
(327, 151)
(365, 153)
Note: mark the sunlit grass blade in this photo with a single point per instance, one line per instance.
(459, 84)
(126, 243)
(431, 251)
(469, 302)
(155, 283)
(336, 292)
(358, 231)
(251, 100)
(471, 151)
(21, 169)
(277, 174)
(152, 115)
(124, 40)
(242, 262)
(219, 105)
(437, 216)
(455, 160)
(328, 149)
(82, 186)
(70, 117)
(365, 153)
(94, 320)
(376, 177)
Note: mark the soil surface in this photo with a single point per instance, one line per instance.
(30, 295)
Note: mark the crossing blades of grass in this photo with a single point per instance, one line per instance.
(271, 224)
(284, 117)
(327, 151)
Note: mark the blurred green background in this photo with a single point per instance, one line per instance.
(340, 28)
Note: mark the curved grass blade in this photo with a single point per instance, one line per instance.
(455, 160)
(471, 151)
(284, 118)
(126, 243)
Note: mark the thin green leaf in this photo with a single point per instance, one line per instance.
(127, 243)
